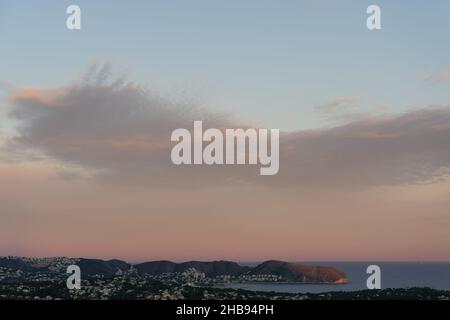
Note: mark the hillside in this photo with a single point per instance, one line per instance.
(292, 272)
(295, 272)
(211, 269)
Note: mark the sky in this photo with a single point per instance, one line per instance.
(86, 117)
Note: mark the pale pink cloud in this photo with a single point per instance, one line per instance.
(45, 97)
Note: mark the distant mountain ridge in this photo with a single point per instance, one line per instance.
(288, 271)
(211, 269)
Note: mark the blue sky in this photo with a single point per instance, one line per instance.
(270, 62)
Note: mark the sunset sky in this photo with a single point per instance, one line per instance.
(86, 118)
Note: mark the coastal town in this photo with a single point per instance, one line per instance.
(47, 280)
(124, 284)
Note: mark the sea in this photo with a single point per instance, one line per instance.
(434, 275)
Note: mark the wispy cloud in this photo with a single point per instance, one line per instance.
(438, 76)
(345, 109)
(337, 104)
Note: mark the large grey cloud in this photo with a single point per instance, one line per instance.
(121, 132)
(115, 129)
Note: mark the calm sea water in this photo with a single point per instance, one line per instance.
(393, 275)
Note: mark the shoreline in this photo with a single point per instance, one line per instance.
(285, 283)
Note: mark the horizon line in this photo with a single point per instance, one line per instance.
(231, 260)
